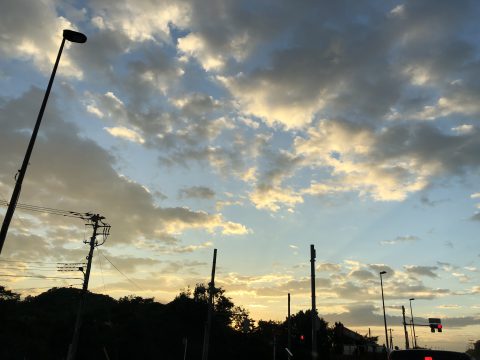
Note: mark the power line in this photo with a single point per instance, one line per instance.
(48, 210)
(27, 269)
(40, 277)
(125, 276)
(42, 287)
(42, 262)
(27, 266)
(101, 271)
(16, 215)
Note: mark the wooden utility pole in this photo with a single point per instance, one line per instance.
(289, 331)
(314, 307)
(95, 220)
(208, 324)
(407, 345)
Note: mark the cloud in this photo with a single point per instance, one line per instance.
(400, 239)
(461, 277)
(362, 274)
(464, 129)
(429, 271)
(33, 32)
(142, 20)
(201, 192)
(127, 264)
(449, 306)
(382, 267)
(125, 133)
(272, 198)
(328, 267)
(111, 193)
(365, 314)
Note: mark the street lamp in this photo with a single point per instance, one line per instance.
(72, 36)
(413, 324)
(383, 303)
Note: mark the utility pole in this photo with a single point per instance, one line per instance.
(208, 324)
(96, 223)
(314, 307)
(407, 345)
(383, 305)
(289, 331)
(414, 342)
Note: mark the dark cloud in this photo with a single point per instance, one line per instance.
(201, 192)
(126, 264)
(380, 267)
(430, 271)
(362, 275)
(366, 314)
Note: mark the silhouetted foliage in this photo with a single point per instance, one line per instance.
(132, 327)
(475, 351)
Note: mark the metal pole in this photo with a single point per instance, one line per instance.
(411, 335)
(289, 330)
(407, 345)
(414, 343)
(391, 339)
(21, 173)
(208, 324)
(383, 303)
(314, 307)
(72, 351)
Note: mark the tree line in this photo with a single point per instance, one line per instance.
(132, 327)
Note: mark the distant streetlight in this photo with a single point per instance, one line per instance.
(413, 324)
(383, 303)
(71, 36)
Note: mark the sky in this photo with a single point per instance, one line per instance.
(256, 128)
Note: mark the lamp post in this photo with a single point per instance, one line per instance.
(413, 325)
(383, 303)
(71, 36)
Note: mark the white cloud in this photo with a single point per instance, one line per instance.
(141, 20)
(464, 129)
(125, 133)
(272, 198)
(194, 45)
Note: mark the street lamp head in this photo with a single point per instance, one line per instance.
(411, 299)
(74, 36)
(382, 272)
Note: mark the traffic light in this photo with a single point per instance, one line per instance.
(302, 337)
(435, 323)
